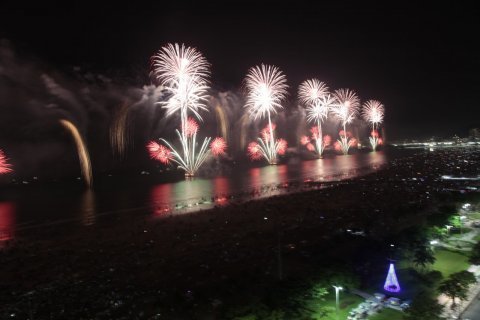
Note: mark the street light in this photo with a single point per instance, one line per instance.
(337, 290)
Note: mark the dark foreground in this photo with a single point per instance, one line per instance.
(215, 264)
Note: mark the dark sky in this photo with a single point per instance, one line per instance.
(422, 60)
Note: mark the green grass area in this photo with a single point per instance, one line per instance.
(475, 215)
(448, 262)
(477, 238)
(387, 314)
(348, 302)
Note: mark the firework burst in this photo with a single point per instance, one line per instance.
(373, 112)
(266, 88)
(184, 72)
(345, 109)
(304, 140)
(314, 95)
(281, 146)
(189, 159)
(218, 146)
(190, 127)
(82, 151)
(5, 167)
(310, 91)
(254, 151)
(159, 152)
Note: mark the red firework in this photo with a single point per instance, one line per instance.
(342, 134)
(327, 140)
(352, 142)
(218, 146)
(310, 147)
(191, 127)
(281, 146)
(380, 141)
(315, 133)
(374, 133)
(337, 146)
(304, 140)
(5, 167)
(159, 152)
(265, 133)
(253, 151)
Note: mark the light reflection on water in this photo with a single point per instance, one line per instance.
(260, 182)
(30, 209)
(7, 222)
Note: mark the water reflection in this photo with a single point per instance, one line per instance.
(160, 196)
(37, 207)
(221, 190)
(259, 182)
(7, 222)
(376, 159)
(87, 208)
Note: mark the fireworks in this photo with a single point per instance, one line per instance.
(304, 140)
(267, 133)
(191, 127)
(346, 142)
(318, 102)
(184, 72)
(281, 146)
(327, 140)
(373, 112)
(345, 110)
(347, 105)
(82, 151)
(159, 152)
(119, 138)
(175, 63)
(266, 88)
(254, 151)
(310, 91)
(5, 167)
(218, 146)
(189, 160)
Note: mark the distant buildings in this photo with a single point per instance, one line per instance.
(474, 134)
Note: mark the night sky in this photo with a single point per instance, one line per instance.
(421, 61)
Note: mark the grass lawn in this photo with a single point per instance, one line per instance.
(348, 301)
(448, 262)
(475, 215)
(387, 314)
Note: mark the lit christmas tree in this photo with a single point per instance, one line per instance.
(391, 283)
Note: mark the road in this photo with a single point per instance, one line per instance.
(473, 310)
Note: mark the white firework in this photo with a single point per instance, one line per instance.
(310, 91)
(345, 110)
(184, 72)
(266, 89)
(373, 112)
(347, 105)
